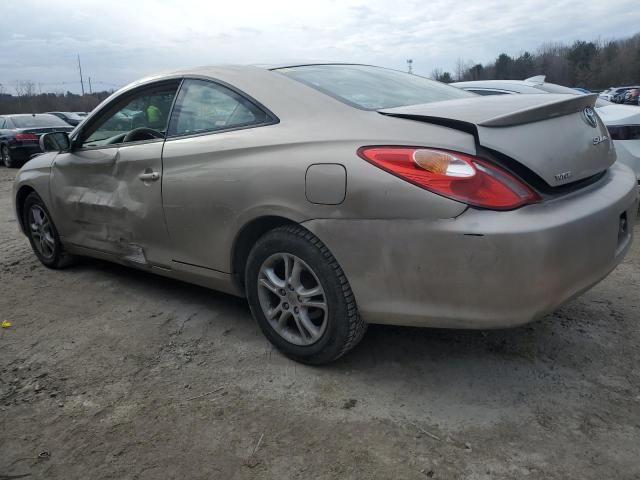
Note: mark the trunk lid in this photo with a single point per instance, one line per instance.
(549, 134)
(614, 115)
(41, 130)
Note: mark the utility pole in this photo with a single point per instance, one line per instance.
(410, 66)
(90, 89)
(81, 81)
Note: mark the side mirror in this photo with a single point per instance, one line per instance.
(55, 142)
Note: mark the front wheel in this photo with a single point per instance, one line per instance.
(42, 234)
(301, 298)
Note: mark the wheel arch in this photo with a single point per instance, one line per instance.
(246, 238)
(21, 195)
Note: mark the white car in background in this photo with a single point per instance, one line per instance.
(622, 121)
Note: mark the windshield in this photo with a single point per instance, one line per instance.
(34, 121)
(373, 88)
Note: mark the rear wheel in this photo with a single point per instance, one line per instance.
(301, 298)
(5, 156)
(42, 234)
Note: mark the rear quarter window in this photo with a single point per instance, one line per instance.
(204, 106)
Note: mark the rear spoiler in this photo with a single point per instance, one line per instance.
(494, 110)
(533, 114)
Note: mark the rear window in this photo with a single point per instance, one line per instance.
(36, 121)
(373, 88)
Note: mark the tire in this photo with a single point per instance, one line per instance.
(5, 155)
(43, 235)
(308, 333)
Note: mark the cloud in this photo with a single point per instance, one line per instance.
(121, 40)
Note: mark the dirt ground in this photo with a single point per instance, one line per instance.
(114, 373)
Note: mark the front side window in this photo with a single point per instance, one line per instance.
(146, 115)
(204, 106)
(372, 88)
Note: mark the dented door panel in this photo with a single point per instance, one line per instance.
(105, 205)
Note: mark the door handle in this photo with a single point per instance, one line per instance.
(149, 176)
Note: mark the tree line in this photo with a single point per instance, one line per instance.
(595, 65)
(23, 98)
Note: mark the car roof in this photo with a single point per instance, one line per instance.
(230, 69)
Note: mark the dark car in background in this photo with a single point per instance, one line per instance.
(615, 94)
(631, 96)
(20, 135)
(621, 94)
(72, 118)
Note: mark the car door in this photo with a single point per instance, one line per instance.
(106, 192)
(211, 129)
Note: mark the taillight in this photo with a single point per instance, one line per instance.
(455, 175)
(26, 136)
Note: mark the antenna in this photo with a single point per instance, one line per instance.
(81, 81)
(410, 66)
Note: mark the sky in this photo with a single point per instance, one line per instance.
(120, 41)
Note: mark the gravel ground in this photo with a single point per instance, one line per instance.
(114, 373)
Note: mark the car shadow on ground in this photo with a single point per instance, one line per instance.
(543, 340)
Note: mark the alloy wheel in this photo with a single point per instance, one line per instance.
(292, 299)
(41, 233)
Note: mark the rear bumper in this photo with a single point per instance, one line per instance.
(485, 269)
(24, 152)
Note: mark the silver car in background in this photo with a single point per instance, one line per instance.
(333, 196)
(622, 121)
